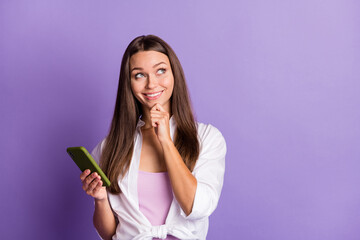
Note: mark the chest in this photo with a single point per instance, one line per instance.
(152, 157)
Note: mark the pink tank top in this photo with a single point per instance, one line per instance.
(155, 197)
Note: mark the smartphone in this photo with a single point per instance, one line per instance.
(84, 161)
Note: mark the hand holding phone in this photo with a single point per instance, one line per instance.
(92, 185)
(92, 177)
(84, 161)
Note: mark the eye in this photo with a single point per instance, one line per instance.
(139, 75)
(161, 71)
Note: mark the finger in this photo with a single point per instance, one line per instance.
(156, 120)
(163, 114)
(155, 110)
(154, 123)
(156, 107)
(98, 186)
(92, 185)
(159, 119)
(89, 179)
(84, 174)
(160, 107)
(157, 115)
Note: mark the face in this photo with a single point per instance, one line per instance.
(152, 80)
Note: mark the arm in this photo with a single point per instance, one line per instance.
(209, 172)
(182, 181)
(103, 219)
(198, 192)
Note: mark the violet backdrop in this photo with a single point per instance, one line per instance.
(279, 79)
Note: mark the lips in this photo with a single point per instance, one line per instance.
(153, 95)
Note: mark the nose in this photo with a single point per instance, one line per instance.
(152, 81)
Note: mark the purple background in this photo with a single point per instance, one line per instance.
(279, 79)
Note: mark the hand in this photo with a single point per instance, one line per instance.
(92, 185)
(160, 121)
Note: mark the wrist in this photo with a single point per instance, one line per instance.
(166, 142)
(101, 200)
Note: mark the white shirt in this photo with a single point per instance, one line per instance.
(209, 173)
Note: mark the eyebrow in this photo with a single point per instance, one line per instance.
(139, 68)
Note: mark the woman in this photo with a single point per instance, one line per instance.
(166, 170)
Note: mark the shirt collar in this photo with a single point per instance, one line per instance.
(140, 123)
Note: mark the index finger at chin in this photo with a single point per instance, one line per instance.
(156, 107)
(160, 107)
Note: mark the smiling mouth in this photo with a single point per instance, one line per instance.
(152, 96)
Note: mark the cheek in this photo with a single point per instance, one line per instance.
(168, 82)
(135, 87)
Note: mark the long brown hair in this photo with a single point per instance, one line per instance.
(119, 144)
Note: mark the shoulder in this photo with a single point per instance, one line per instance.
(211, 161)
(96, 152)
(208, 131)
(210, 136)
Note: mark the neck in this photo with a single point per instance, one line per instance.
(146, 118)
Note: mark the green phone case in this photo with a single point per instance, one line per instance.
(84, 161)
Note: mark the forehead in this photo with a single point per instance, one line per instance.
(148, 59)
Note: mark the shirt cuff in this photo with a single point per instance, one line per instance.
(203, 205)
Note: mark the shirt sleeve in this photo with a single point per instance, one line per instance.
(209, 172)
(96, 152)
